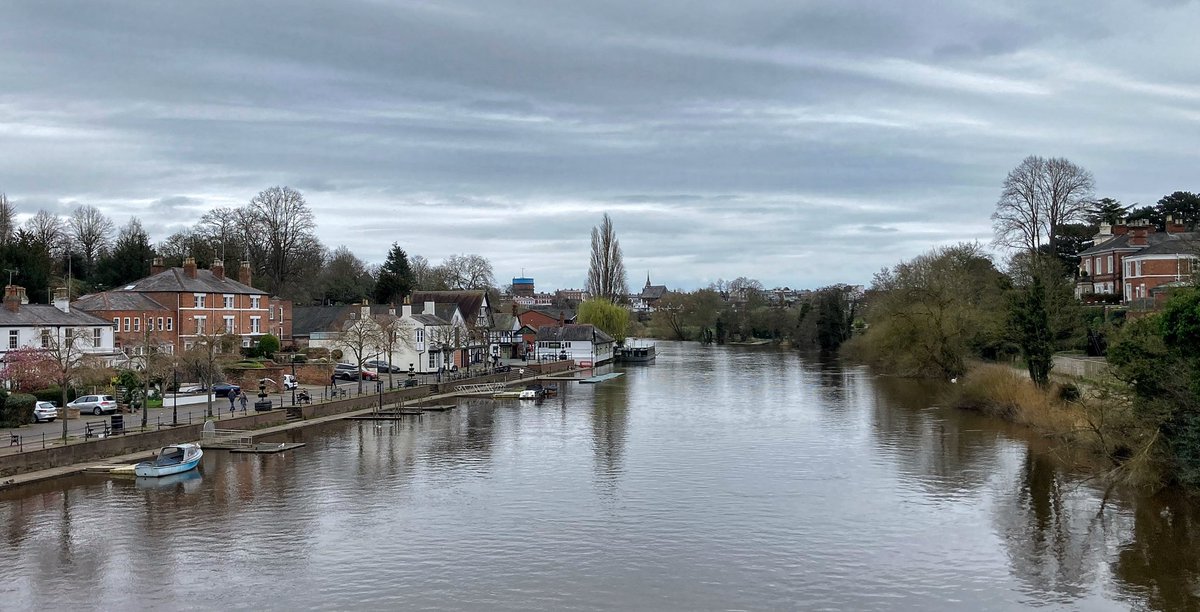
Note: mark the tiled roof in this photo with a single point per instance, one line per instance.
(45, 315)
(175, 280)
(428, 319)
(468, 302)
(1187, 243)
(653, 292)
(582, 332)
(116, 300)
(309, 319)
(1155, 239)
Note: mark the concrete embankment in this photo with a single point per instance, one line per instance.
(57, 461)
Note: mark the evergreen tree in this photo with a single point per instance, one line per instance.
(395, 279)
(129, 258)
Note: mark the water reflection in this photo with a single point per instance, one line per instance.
(718, 478)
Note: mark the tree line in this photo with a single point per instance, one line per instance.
(275, 231)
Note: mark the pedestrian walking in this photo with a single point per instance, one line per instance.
(242, 399)
(233, 393)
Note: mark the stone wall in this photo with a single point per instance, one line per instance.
(1080, 367)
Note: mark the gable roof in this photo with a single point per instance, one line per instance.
(469, 302)
(116, 300)
(175, 280)
(45, 315)
(653, 292)
(581, 332)
(309, 319)
(429, 319)
(552, 312)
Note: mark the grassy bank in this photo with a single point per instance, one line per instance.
(1099, 420)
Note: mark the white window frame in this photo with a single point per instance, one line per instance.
(229, 301)
(201, 325)
(137, 324)
(126, 326)
(229, 324)
(199, 300)
(97, 335)
(14, 339)
(160, 324)
(170, 323)
(256, 302)
(255, 325)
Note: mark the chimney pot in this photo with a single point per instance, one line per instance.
(218, 269)
(14, 296)
(189, 267)
(157, 266)
(61, 301)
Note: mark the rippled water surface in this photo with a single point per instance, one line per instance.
(718, 478)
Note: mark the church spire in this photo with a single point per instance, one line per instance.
(647, 279)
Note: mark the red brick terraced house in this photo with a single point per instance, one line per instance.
(186, 303)
(1131, 261)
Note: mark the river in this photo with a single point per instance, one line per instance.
(718, 478)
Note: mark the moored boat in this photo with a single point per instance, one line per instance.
(534, 391)
(635, 353)
(169, 460)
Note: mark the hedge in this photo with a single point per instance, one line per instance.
(17, 410)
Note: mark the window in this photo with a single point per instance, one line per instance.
(96, 337)
(255, 301)
(45, 338)
(137, 324)
(160, 324)
(229, 325)
(229, 301)
(432, 357)
(200, 325)
(199, 300)
(170, 323)
(117, 323)
(1139, 268)
(420, 335)
(126, 323)
(1110, 262)
(13, 338)
(255, 325)
(1128, 293)
(1128, 269)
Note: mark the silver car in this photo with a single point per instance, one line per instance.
(95, 404)
(44, 412)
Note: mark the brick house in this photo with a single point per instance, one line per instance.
(203, 302)
(1130, 261)
(137, 320)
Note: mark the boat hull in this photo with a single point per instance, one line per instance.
(157, 469)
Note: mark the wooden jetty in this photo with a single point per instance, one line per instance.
(601, 378)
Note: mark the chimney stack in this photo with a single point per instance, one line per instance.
(514, 308)
(189, 267)
(61, 301)
(1174, 227)
(1120, 229)
(429, 309)
(218, 269)
(14, 296)
(1139, 236)
(562, 318)
(157, 266)
(244, 273)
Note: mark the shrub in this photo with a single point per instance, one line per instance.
(54, 394)
(298, 358)
(1068, 392)
(18, 410)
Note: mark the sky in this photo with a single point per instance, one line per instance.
(799, 143)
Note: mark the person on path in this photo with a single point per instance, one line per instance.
(233, 393)
(242, 399)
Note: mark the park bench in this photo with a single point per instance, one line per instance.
(95, 429)
(14, 439)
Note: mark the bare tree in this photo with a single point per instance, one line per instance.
(468, 272)
(606, 275)
(1040, 196)
(393, 334)
(92, 232)
(427, 277)
(362, 338)
(49, 231)
(8, 220)
(154, 362)
(279, 233)
(220, 227)
(204, 359)
(67, 350)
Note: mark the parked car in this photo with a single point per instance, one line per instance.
(383, 367)
(223, 389)
(349, 371)
(95, 404)
(192, 389)
(44, 412)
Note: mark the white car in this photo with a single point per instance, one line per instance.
(44, 412)
(289, 382)
(95, 404)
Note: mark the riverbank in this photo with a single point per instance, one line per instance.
(1085, 415)
(56, 462)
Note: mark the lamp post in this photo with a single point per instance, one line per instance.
(294, 383)
(175, 400)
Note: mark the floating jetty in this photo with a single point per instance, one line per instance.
(267, 448)
(601, 378)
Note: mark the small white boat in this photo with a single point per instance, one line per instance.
(171, 460)
(533, 392)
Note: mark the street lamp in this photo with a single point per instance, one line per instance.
(175, 401)
(294, 382)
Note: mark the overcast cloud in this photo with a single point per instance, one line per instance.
(801, 143)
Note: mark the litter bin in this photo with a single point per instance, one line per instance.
(262, 405)
(118, 424)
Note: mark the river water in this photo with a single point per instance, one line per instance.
(718, 478)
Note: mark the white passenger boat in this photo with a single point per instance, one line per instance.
(171, 460)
